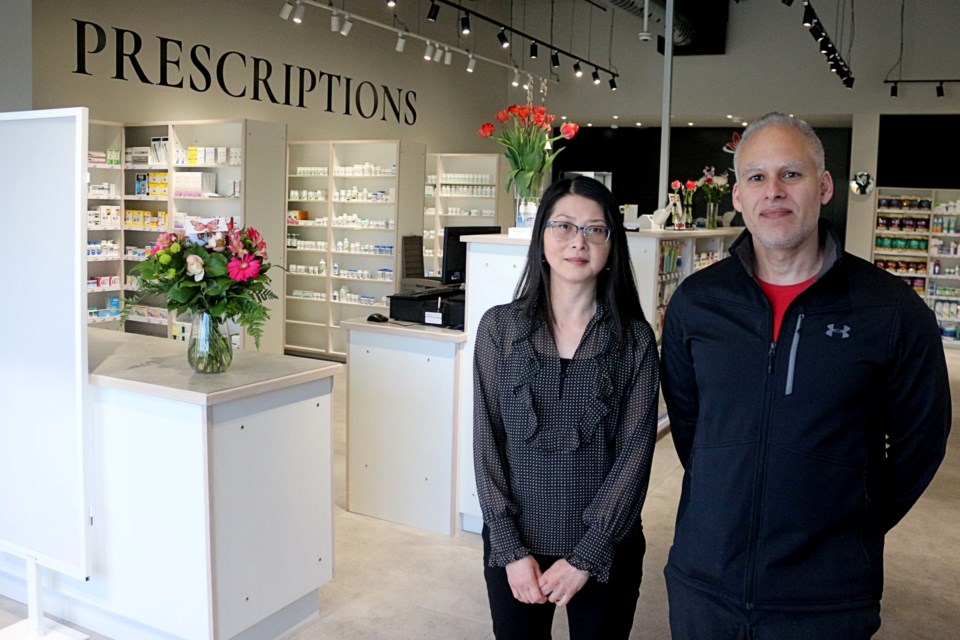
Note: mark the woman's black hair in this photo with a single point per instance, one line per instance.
(615, 283)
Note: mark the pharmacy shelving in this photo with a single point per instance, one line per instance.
(104, 223)
(344, 227)
(461, 189)
(662, 259)
(917, 237)
(136, 170)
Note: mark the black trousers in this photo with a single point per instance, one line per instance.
(598, 611)
(697, 615)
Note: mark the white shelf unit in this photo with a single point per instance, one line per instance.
(917, 237)
(357, 200)
(662, 259)
(105, 271)
(462, 190)
(256, 177)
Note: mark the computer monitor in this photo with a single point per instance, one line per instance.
(454, 268)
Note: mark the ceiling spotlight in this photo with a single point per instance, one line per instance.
(298, 14)
(437, 54)
(555, 59)
(433, 12)
(401, 42)
(447, 56)
(516, 78)
(346, 26)
(940, 90)
(286, 10)
(825, 45)
(334, 21)
(529, 81)
(465, 24)
(596, 76)
(577, 71)
(471, 63)
(502, 37)
(428, 52)
(613, 83)
(848, 82)
(533, 50)
(894, 91)
(787, 2)
(817, 32)
(809, 16)
(391, 3)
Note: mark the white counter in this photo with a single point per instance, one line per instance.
(211, 495)
(402, 406)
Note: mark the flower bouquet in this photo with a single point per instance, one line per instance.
(713, 187)
(683, 217)
(216, 274)
(524, 133)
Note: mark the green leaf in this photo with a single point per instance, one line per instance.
(215, 265)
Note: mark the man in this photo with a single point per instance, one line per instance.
(809, 403)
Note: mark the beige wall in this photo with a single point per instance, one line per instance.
(15, 56)
(450, 104)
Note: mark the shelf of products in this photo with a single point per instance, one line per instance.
(461, 189)
(662, 259)
(344, 230)
(147, 179)
(917, 237)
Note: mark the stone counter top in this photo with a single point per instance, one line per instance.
(158, 367)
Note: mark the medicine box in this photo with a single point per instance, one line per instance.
(137, 155)
(194, 184)
(157, 183)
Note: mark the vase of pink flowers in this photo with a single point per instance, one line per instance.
(216, 273)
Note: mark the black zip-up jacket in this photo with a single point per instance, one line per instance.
(800, 453)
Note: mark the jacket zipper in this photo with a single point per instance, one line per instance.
(758, 491)
(792, 364)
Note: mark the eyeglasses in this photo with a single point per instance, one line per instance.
(564, 231)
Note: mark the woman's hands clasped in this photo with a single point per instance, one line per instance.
(558, 584)
(561, 582)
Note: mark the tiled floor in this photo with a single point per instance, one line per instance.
(392, 582)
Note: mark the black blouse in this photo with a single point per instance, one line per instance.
(562, 460)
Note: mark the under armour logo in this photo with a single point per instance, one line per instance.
(845, 332)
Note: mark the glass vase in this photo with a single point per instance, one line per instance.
(712, 210)
(209, 349)
(676, 215)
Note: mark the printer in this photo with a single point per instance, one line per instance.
(442, 307)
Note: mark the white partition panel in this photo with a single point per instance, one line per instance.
(495, 268)
(43, 364)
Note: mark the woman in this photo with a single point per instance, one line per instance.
(564, 426)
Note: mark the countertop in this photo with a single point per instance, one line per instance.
(158, 367)
(407, 329)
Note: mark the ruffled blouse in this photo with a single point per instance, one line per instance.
(562, 459)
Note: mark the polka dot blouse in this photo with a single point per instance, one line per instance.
(562, 458)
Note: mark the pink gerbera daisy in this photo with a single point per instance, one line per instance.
(243, 268)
